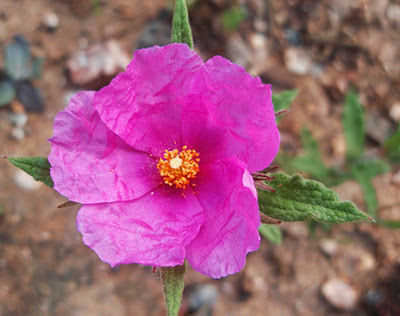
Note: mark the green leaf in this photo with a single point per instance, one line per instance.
(283, 100)
(17, 58)
(172, 279)
(37, 167)
(7, 92)
(311, 161)
(392, 146)
(363, 172)
(232, 17)
(96, 4)
(390, 223)
(271, 232)
(181, 31)
(298, 199)
(353, 125)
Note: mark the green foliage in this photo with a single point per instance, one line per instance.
(271, 233)
(37, 167)
(357, 166)
(283, 100)
(310, 162)
(363, 172)
(172, 279)
(392, 146)
(7, 92)
(181, 31)
(390, 224)
(232, 17)
(353, 126)
(298, 199)
(97, 7)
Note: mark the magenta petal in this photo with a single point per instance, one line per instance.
(152, 230)
(228, 196)
(91, 164)
(223, 94)
(143, 104)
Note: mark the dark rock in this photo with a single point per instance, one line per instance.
(30, 97)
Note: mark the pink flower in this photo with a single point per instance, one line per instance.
(161, 161)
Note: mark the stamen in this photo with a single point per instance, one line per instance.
(179, 167)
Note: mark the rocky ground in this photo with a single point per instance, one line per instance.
(322, 48)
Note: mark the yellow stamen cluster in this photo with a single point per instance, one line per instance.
(179, 167)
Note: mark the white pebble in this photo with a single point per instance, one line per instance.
(25, 181)
(50, 19)
(340, 294)
(328, 246)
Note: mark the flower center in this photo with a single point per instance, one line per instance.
(177, 167)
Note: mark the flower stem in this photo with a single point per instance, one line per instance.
(172, 284)
(181, 31)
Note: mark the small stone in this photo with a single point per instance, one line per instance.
(239, 52)
(394, 112)
(373, 297)
(25, 181)
(329, 247)
(367, 262)
(18, 119)
(378, 127)
(99, 62)
(297, 61)
(393, 13)
(203, 298)
(156, 32)
(50, 20)
(30, 96)
(17, 133)
(396, 178)
(339, 294)
(260, 25)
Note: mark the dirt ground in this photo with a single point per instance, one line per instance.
(322, 48)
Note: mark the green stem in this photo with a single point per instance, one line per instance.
(172, 279)
(181, 31)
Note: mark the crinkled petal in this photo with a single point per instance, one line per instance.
(91, 164)
(143, 105)
(228, 196)
(223, 94)
(152, 230)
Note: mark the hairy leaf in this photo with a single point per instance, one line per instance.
(283, 100)
(181, 31)
(271, 232)
(353, 125)
(37, 167)
(298, 199)
(172, 282)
